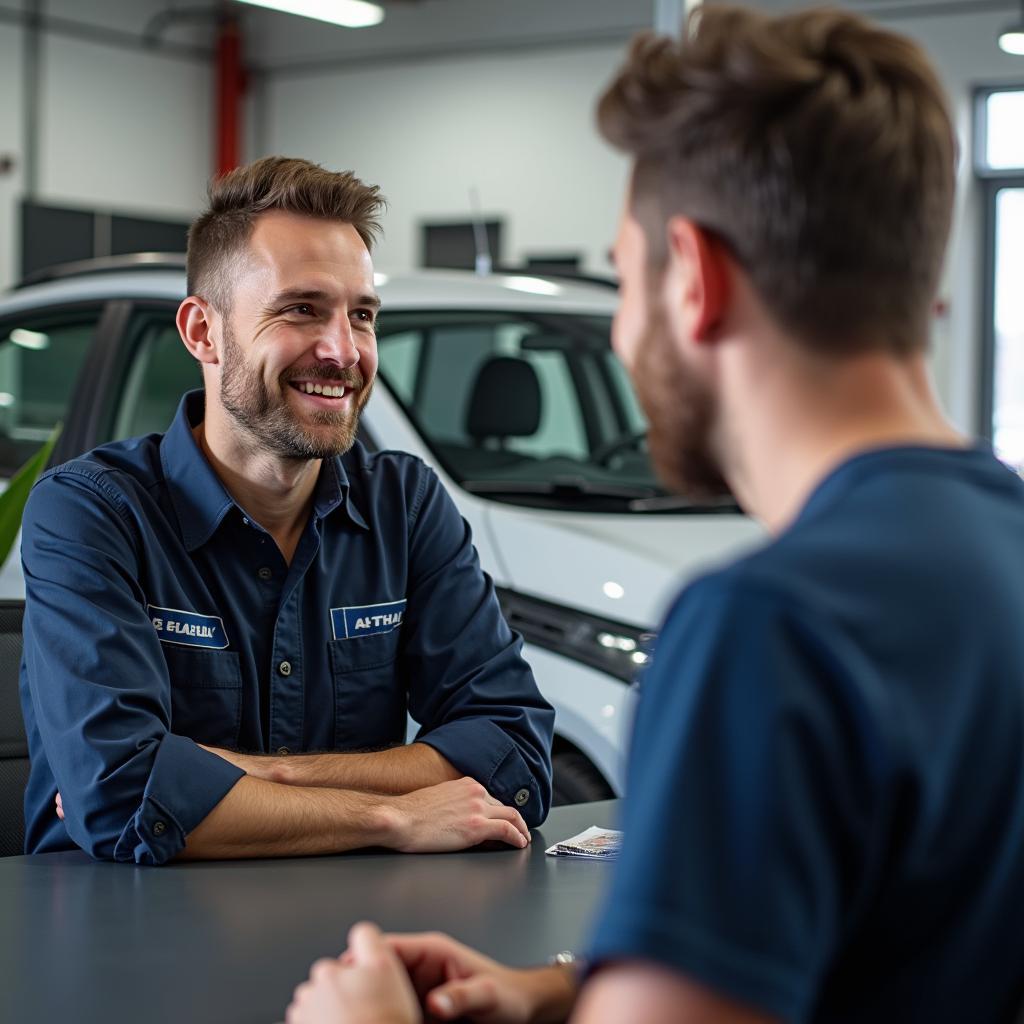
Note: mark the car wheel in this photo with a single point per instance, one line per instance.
(576, 780)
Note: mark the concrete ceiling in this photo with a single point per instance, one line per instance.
(438, 27)
(429, 29)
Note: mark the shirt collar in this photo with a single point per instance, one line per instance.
(199, 497)
(333, 490)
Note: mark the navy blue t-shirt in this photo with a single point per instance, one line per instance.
(825, 816)
(160, 616)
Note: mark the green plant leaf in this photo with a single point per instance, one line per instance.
(12, 501)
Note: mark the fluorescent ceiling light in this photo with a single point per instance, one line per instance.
(1012, 41)
(350, 13)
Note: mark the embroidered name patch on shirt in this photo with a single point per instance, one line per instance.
(366, 619)
(174, 626)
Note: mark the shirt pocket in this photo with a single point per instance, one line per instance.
(370, 697)
(206, 695)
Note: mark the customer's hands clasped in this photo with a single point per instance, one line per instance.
(397, 979)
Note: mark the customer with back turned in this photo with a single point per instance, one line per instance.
(824, 817)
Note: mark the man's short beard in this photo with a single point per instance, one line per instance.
(681, 414)
(272, 424)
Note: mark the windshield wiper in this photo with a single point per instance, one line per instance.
(636, 499)
(560, 487)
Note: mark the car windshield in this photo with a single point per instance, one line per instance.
(528, 408)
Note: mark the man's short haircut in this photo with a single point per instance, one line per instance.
(816, 146)
(218, 238)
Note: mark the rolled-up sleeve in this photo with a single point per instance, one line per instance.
(469, 687)
(98, 682)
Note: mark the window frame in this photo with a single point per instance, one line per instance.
(992, 181)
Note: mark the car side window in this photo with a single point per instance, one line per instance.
(443, 365)
(40, 358)
(160, 372)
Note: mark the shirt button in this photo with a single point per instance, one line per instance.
(283, 751)
(264, 573)
(521, 797)
(159, 828)
(285, 668)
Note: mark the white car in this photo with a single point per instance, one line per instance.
(506, 385)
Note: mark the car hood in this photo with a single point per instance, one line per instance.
(625, 567)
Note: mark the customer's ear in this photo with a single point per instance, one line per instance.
(699, 276)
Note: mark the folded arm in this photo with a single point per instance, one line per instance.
(265, 819)
(395, 771)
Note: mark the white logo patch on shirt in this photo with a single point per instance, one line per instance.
(175, 626)
(366, 619)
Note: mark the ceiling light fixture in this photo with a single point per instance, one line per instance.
(1011, 39)
(350, 13)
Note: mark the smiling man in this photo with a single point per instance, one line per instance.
(226, 626)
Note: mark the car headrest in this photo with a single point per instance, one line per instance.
(505, 400)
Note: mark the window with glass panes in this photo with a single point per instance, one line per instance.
(999, 162)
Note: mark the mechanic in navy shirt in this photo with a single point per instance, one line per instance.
(255, 583)
(824, 818)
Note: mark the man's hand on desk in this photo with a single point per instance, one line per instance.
(451, 816)
(368, 986)
(438, 819)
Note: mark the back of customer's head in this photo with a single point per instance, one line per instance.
(816, 146)
(219, 236)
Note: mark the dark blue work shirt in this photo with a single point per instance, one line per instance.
(159, 616)
(825, 813)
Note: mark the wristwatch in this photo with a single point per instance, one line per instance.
(576, 965)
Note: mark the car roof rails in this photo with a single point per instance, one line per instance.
(106, 265)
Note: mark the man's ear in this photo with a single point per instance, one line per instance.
(198, 322)
(700, 272)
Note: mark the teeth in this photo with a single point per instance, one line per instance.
(328, 390)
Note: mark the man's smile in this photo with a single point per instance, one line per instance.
(324, 388)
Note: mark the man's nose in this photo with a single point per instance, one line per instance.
(338, 344)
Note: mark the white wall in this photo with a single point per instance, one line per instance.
(119, 129)
(10, 145)
(517, 127)
(122, 129)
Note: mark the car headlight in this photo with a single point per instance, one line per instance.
(617, 648)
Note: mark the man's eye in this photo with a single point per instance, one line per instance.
(302, 309)
(365, 315)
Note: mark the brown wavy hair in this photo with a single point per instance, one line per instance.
(816, 146)
(218, 237)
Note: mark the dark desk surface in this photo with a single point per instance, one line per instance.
(228, 941)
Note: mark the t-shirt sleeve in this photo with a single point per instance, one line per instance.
(749, 796)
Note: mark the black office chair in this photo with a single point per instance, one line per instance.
(13, 744)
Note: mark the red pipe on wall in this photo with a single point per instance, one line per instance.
(230, 86)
